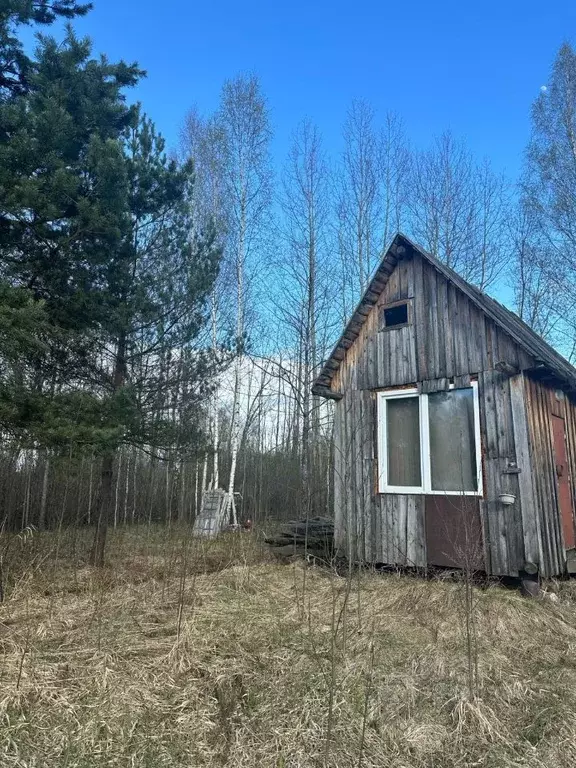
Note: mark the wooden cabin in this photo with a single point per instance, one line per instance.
(455, 428)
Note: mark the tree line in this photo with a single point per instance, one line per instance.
(163, 313)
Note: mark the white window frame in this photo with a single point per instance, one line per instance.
(425, 455)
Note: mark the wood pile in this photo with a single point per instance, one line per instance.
(312, 538)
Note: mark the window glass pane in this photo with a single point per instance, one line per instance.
(452, 444)
(403, 427)
(397, 315)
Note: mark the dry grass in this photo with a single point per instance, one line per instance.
(182, 654)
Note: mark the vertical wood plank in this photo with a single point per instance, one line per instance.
(510, 517)
(454, 337)
(379, 532)
(527, 495)
(444, 326)
(372, 376)
(413, 375)
(366, 418)
(357, 478)
(339, 469)
(472, 320)
(448, 330)
(507, 349)
(490, 507)
(401, 524)
(535, 430)
(431, 299)
(420, 314)
(386, 532)
(416, 532)
(392, 340)
(480, 332)
(348, 488)
(409, 277)
(467, 351)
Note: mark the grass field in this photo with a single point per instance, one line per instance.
(188, 654)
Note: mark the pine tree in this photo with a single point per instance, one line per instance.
(16, 68)
(155, 289)
(103, 278)
(63, 206)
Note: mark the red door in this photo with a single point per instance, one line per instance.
(563, 479)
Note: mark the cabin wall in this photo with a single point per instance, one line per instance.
(449, 339)
(541, 403)
(370, 527)
(449, 336)
(501, 524)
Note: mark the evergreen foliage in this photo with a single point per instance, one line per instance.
(104, 275)
(16, 68)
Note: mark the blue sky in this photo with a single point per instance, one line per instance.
(473, 67)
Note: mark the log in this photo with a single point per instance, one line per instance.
(314, 535)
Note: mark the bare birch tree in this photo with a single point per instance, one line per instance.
(371, 195)
(531, 279)
(492, 203)
(204, 140)
(442, 200)
(549, 190)
(357, 203)
(305, 204)
(244, 126)
(457, 210)
(393, 166)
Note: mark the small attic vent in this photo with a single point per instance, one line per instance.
(394, 316)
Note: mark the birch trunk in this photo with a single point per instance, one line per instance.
(214, 415)
(236, 425)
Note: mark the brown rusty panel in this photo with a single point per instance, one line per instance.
(454, 532)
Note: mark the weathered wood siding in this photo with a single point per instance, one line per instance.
(449, 339)
(449, 336)
(502, 525)
(545, 499)
(529, 511)
(369, 526)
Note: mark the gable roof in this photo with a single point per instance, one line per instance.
(546, 357)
